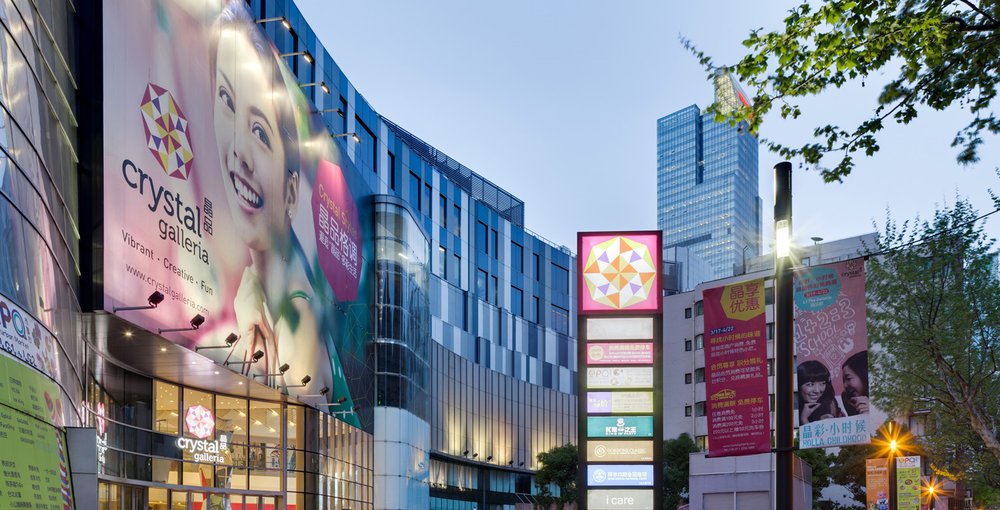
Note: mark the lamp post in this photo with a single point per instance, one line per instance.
(783, 336)
(893, 449)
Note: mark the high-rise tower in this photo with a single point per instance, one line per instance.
(707, 197)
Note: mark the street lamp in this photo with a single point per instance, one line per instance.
(893, 442)
(354, 136)
(783, 337)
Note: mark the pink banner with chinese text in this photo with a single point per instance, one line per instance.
(736, 370)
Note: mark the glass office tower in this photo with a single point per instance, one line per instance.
(707, 192)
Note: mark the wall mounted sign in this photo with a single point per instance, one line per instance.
(620, 377)
(607, 402)
(620, 451)
(620, 499)
(618, 475)
(620, 426)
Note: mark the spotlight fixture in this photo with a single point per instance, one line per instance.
(253, 359)
(465, 453)
(320, 84)
(322, 393)
(341, 400)
(305, 55)
(511, 463)
(474, 455)
(305, 381)
(230, 340)
(520, 463)
(196, 323)
(281, 371)
(489, 458)
(338, 111)
(154, 299)
(357, 139)
(284, 22)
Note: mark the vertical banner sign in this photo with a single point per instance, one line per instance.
(831, 344)
(877, 484)
(620, 426)
(908, 483)
(736, 370)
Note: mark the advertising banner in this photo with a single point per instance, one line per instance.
(877, 484)
(831, 345)
(736, 370)
(32, 447)
(27, 340)
(619, 328)
(225, 193)
(620, 377)
(632, 499)
(620, 451)
(619, 272)
(619, 353)
(617, 475)
(619, 426)
(908, 483)
(607, 402)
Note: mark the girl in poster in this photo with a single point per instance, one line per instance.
(816, 397)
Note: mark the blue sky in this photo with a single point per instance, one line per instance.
(557, 101)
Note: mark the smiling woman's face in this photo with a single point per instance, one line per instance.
(812, 391)
(251, 150)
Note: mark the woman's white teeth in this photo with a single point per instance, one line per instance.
(246, 192)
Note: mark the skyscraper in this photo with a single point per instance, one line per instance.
(707, 197)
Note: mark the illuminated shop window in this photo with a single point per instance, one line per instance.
(166, 404)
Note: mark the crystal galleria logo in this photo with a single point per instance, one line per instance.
(167, 135)
(199, 421)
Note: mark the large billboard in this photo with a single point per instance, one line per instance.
(224, 192)
(831, 345)
(736, 370)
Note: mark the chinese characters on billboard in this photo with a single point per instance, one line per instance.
(618, 304)
(225, 192)
(736, 370)
(831, 346)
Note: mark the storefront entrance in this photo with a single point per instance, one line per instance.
(125, 497)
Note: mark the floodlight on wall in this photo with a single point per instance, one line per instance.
(338, 111)
(489, 458)
(230, 341)
(465, 453)
(357, 139)
(253, 359)
(305, 55)
(284, 22)
(322, 393)
(281, 371)
(474, 455)
(520, 463)
(320, 84)
(196, 323)
(511, 463)
(305, 381)
(154, 299)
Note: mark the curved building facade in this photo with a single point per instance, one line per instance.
(227, 281)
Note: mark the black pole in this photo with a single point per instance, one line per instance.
(783, 337)
(893, 504)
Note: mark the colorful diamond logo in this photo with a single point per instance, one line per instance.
(619, 272)
(167, 135)
(199, 421)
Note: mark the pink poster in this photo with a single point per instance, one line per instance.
(620, 353)
(736, 370)
(831, 344)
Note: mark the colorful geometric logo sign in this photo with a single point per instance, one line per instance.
(199, 422)
(167, 135)
(619, 272)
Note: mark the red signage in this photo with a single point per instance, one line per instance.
(736, 370)
(620, 353)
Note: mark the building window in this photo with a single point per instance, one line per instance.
(560, 320)
(537, 304)
(343, 112)
(368, 148)
(443, 261)
(687, 378)
(536, 267)
(699, 375)
(166, 405)
(456, 219)
(415, 190)
(770, 399)
(699, 342)
(560, 279)
(481, 243)
(687, 313)
(443, 211)
(392, 171)
(496, 291)
(699, 408)
(701, 442)
(687, 345)
(481, 277)
(770, 331)
(687, 410)
(494, 243)
(516, 257)
(516, 301)
(425, 204)
(455, 275)
(699, 308)
(768, 295)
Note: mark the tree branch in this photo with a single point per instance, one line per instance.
(980, 11)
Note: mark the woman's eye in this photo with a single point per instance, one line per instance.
(226, 98)
(261, 135)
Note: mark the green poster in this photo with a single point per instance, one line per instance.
(908, 483)
(619, 426)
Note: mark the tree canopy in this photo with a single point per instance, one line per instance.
(934, 318)
(677, 469)
(559, 468)
(945, 53)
